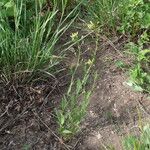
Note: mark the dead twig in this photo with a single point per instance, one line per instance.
(76, 143)
(143, 108)
(7, 108)
(12, 121)
(59, 139)
(111, 44)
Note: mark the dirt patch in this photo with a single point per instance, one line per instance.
(114, 107)
(26, 113)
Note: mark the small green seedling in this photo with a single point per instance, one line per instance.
(120, 64)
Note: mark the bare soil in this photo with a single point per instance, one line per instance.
(115, 109)
(27, 118)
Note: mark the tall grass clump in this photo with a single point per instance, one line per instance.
(29, 32)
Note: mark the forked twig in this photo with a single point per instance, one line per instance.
(11, 121)
(7, 108)
(59, 139)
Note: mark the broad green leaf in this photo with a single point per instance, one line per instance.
(137, 88)
(66, 132)
(9, 4)
(79, 86)
(62, 119)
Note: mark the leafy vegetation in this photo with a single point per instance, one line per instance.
(137, 17)
(139, 73)
(28, 41)
(107, 14)
(31, 49)
(71, 110)
(141, 143)
(74, 104)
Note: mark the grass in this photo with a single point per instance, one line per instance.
(138, 143)
(107, 14)
(31, 50)
(28, 41)
(28, 52)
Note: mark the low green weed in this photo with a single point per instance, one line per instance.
(120, 64)
(8, 7)
(140, 72)
(73, 105)
(138, 143)
(137, 17)
(128, 16)
(106, 13)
